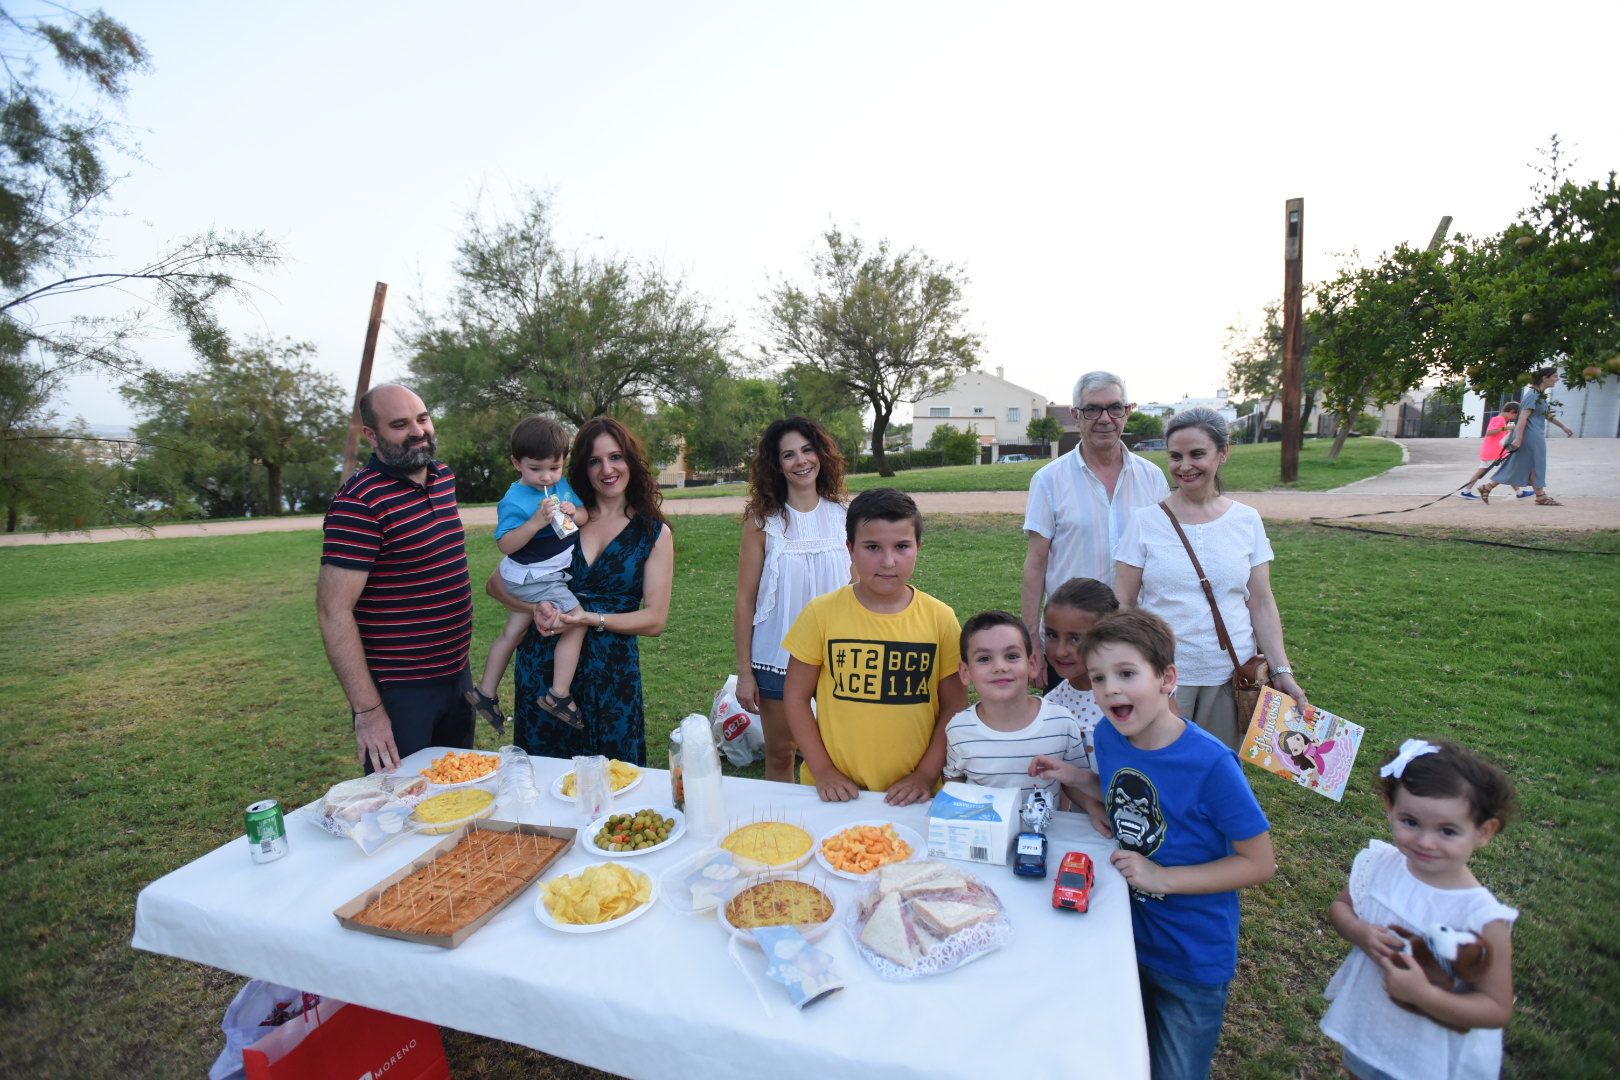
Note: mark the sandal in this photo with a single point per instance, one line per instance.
(489, 706)
(563, 708)
(1485, 493)
(1547, 500)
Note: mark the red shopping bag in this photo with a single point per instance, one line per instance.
(348, 1042)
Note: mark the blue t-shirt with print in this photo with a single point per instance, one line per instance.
(1180, 806)
(518, 506)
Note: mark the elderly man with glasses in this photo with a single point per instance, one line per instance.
(1080, 503)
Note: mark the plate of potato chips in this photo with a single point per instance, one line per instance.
(599, 897)
(622, 776)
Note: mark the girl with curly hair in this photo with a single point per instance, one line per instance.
(793, 550)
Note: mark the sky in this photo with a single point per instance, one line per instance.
(1111, 182)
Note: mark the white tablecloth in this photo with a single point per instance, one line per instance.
(662, 996)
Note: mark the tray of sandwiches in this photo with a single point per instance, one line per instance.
(925, 918)
(443, 897)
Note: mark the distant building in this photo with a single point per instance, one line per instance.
(1221, 403)
(996, 410)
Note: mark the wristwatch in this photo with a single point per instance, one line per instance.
(601, 622)
(1282, 671)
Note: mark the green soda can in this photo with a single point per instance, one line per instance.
(266, 831)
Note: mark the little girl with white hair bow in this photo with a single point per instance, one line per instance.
(1444, 803)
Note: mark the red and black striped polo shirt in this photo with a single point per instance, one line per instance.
(415, 614)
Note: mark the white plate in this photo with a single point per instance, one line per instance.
(918, 847)
(590, 928)
(557, 791)
(587, 835)
(488, 778)
(810, 933)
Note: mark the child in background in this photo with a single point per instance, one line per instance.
(876, 656)
(1190, 833)
(992, 743)
(1444, 804)
(535, 569)
(1071, 611)
(1490, 449)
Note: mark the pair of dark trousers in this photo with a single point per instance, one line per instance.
(432, 712)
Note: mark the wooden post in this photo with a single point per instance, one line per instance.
(1293, 335)
(351, 452)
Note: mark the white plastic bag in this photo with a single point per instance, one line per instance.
(258, 1008)
(737, 732)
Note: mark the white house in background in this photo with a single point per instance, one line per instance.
(997, 410)
(1593, 410)
(1220, 403)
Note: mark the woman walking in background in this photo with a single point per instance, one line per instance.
(1528, 442)
(793, 550)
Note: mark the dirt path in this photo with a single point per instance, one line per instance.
(1579, 513)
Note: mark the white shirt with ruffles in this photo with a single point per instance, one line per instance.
(805, 557)
(1363, 1019)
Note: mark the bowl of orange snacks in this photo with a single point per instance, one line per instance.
(856, 850)
(461, 768)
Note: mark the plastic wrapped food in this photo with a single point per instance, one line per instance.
(925, 918)
(371, 810)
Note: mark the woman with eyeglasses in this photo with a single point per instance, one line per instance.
(1080, 504)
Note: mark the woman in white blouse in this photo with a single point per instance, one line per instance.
(793, 550)
(1152, 571)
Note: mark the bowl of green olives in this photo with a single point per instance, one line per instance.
(637, 831)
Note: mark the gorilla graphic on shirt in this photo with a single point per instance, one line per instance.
(1133, 808)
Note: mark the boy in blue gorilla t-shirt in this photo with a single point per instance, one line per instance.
(1190, 834)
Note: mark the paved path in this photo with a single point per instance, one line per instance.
(1575, 467)
(1584, 473)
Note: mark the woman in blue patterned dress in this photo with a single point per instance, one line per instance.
(622, 573)
(1526, 465)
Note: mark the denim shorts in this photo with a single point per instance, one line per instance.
(771, 683)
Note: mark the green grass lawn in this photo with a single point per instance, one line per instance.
(152, 689)
(1250, 468)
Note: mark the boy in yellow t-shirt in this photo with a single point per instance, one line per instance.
(879, 658)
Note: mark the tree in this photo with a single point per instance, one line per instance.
(1145, 425)
(1377, 332)
(533, 328)
(886, 326)
(1256, 360)
(54, 184)
(955, 447)
(722, 433)
(1546, 288)
(1045, 430)
(231, 436)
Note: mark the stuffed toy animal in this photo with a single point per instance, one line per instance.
(1452, 959)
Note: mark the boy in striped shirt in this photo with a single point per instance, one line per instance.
(993, 742)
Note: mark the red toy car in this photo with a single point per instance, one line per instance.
(1074, 880)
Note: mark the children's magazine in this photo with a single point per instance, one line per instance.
(1313, 748)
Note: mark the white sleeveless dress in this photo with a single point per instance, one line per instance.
(805, 556)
